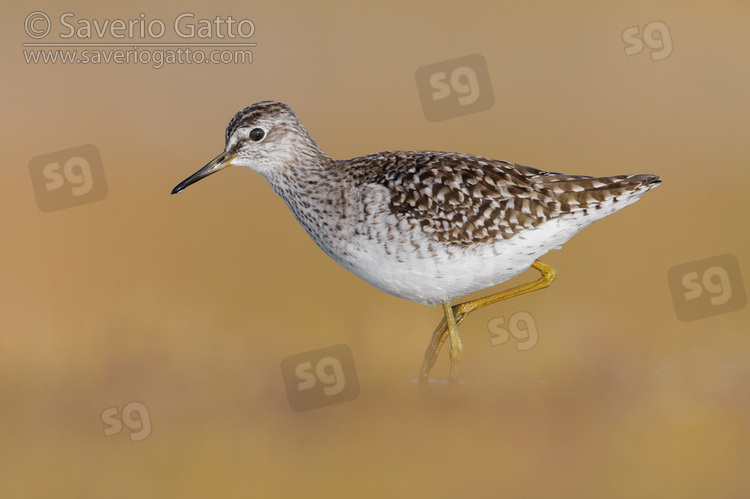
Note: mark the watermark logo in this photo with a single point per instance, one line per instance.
(37, 25)
(320, 378)
(456, 87)
(134, 416)
(707, 287)
(521, 326)
(655, 36)
(68, 178)
(141, 40)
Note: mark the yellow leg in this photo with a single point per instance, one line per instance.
(457, 313)
(457, 347)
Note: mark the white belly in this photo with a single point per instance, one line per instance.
(397, 257)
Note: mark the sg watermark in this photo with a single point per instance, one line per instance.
(320, 378)
(134, 416)
(707, 287)
(141, 40)
(520, 326)
(68, 178)
(655, 35)
(455, 87)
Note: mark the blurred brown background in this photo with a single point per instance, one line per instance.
(189, 303)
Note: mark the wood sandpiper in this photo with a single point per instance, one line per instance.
(422, 225)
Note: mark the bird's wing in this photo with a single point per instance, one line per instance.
(465, 199)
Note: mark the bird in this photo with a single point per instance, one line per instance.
(427, 226)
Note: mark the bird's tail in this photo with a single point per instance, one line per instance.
(576, 192)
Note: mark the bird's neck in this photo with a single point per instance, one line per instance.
(304, 176)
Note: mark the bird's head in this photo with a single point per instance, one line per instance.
(266, 137)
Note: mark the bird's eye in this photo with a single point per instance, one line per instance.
(256, 134)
